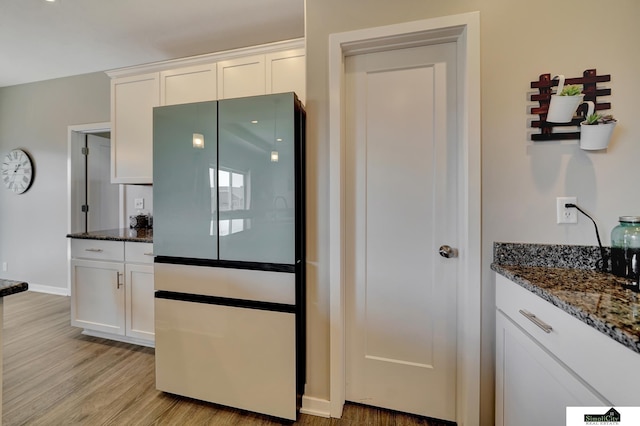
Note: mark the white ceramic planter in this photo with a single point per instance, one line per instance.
(595, 136)
(563, 108)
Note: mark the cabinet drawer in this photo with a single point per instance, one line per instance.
(239, 357)
(608, 366)
(97, 249)
(263, 286)
(138, 252)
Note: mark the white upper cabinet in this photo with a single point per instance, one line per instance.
(241, 77)
(132, 102)
(259, 70)
(286, 72)
(276, 72)
(189, 84)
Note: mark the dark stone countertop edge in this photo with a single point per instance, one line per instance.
(623, 337)
(8, 287)
(122, 234)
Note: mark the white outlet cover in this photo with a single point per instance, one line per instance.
(564, 214)
(139, 203)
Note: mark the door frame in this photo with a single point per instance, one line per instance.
(75, 140)
(464, 30)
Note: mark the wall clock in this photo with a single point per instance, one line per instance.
(17, 171)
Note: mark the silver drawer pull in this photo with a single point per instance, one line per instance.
(95, 250)
(148, 254)
(537, 321)
(119, 283)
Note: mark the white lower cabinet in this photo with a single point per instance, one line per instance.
(97, 296)
(112, 292)
(533, 387)
(547, 360)
(139, 301)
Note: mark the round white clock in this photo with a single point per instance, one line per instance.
(17, 171)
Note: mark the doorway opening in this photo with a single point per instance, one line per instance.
(94, 202)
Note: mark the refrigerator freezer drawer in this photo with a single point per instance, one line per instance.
(238, 357)
(264, 286)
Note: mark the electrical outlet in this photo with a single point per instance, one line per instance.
(566, 214)
(139, 203)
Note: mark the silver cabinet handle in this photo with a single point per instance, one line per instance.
(148, 254)
(95, 250)
(537, 321)
(120, 284)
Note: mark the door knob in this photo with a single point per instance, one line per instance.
(448, 252)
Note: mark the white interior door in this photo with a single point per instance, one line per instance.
(401, 191)
(102, 195)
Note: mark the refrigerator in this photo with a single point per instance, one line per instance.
(229, 241)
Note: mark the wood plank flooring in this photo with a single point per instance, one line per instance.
(54, 375)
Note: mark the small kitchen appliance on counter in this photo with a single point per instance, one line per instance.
(141, 221)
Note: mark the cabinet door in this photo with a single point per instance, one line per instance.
(286, 72)
(132, 102)
(532, 387)
(189, 84)
(241, 77)
(97, 296)
(256, 179)
(139, 301)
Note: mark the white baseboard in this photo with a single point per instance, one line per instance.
(125, 339)
(39, 288)
(316, 407)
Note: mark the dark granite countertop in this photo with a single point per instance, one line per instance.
(8, 287)
(121, 234)
(594, 297)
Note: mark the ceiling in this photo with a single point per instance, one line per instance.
(41, 40)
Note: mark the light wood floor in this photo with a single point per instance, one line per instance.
(54, 375)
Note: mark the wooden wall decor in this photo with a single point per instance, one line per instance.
(545, 84)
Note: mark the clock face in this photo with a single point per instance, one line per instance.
(17, 171)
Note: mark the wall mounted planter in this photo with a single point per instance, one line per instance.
(545, 85)
(594, 137)
(563, 108)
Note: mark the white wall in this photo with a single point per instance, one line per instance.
(519, 41)
(33, 225)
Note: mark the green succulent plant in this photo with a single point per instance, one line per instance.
(571, 90)
(596, 118)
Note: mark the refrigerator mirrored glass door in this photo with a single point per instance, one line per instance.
(184, 176)
(257, 179)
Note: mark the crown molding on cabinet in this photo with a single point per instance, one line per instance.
(207, 58)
